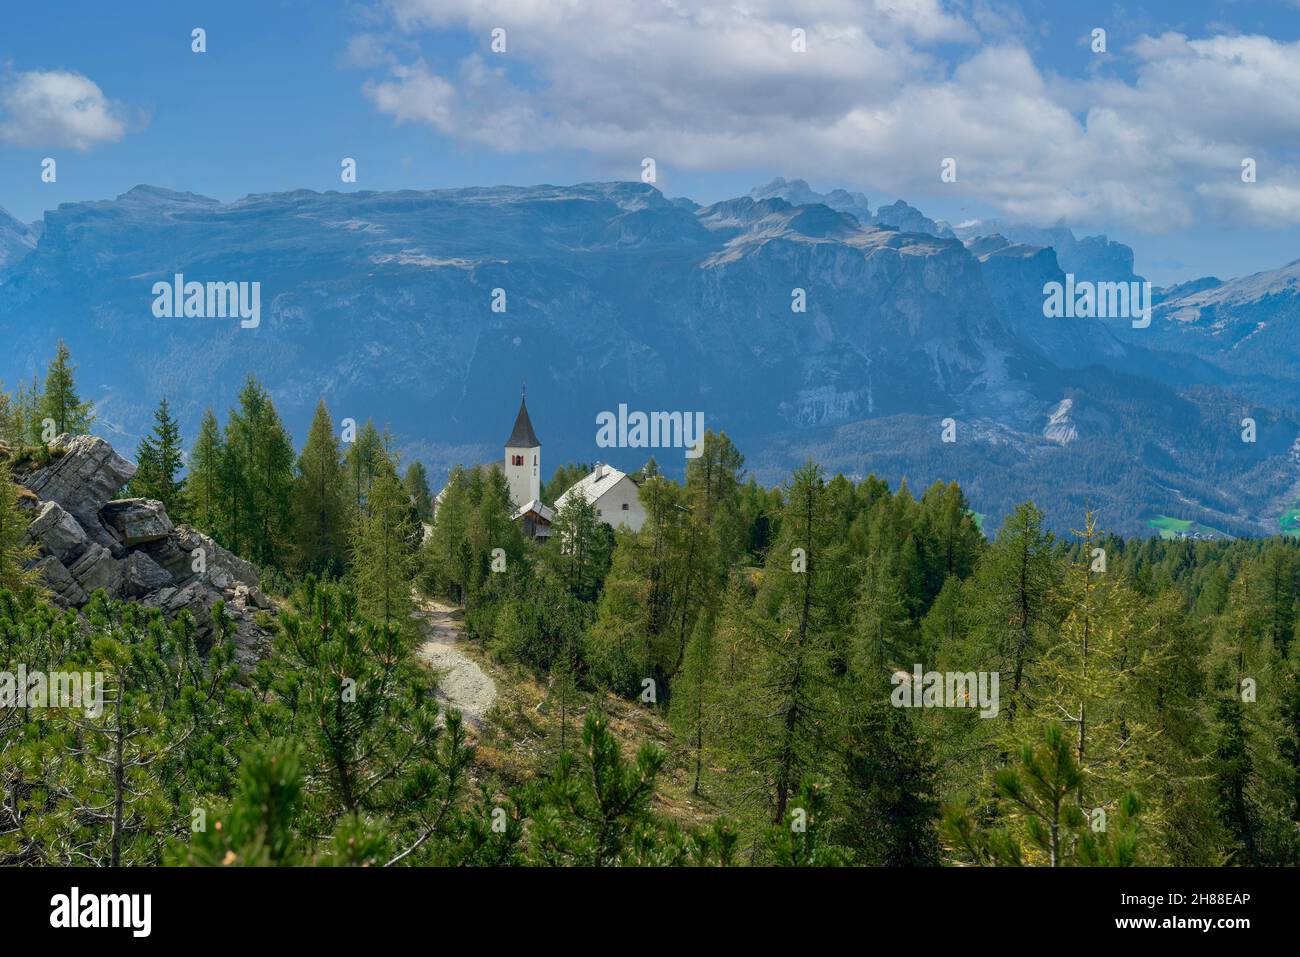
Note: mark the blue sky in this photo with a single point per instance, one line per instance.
(1142, 142)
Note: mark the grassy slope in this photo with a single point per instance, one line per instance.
(522, 738)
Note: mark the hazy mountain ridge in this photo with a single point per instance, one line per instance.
(614, 294)
(16, 240)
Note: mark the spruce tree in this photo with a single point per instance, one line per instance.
(1015, 588)
(60, 402)
(889, 807)
(158, 464)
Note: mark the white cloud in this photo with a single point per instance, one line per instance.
(57, 108)
(871, 103)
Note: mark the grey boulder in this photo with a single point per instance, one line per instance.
(57, 532)
(87, 474)
(137, 520)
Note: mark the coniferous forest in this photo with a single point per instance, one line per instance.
(824, 672)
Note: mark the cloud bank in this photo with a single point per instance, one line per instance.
(885, 91)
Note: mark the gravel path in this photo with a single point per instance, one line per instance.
(462, 684)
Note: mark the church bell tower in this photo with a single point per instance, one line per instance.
(523, 465)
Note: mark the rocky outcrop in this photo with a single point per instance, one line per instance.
(137, 520)
(89, 540)
(60, 533)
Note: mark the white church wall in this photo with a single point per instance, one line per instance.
(620, 504)
(524, 480)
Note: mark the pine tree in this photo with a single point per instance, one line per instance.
(357, 699)
(319, 506)
(594, 810)
(800, 839)
(1046, 824)
(60, 402)
(259, 826)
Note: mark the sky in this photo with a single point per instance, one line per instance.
(1143, 141)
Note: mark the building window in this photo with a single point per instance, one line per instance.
(598, 513)
(625, 506)
(516, 460)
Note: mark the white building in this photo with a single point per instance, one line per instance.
(616, 497)
(523, 463)
(522, 467)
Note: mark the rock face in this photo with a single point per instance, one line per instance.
(130, 549)
(137, 520)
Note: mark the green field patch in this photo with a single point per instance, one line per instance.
(1173, 528)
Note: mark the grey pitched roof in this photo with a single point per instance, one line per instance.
(593, 486)
(523, 436)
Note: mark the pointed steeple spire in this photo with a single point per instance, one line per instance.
(522, 435)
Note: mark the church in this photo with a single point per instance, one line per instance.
(614, 494)
(523, 471)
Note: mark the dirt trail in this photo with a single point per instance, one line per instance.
(462, 684)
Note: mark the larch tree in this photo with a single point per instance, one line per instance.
(203, 491)
(319, 504)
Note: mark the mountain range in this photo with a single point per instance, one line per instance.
(428, 310)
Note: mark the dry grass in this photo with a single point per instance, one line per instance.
(522, 738)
